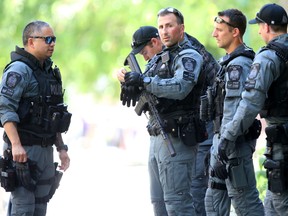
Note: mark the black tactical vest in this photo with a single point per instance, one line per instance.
(44, 114)
(218, 91)
(161, 66)
(276, 104)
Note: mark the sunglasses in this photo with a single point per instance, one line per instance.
(171, 10)
(220, 20)
(48, 39)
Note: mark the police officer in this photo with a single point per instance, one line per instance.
(266, 90)
(199, 173)
(233, 179)
(33, 116)
(146, 42)
(175, 82)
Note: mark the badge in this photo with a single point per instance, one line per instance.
(13, 79)
(189, 64)
(254, 71)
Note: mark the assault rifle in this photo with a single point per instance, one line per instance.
(146, 100)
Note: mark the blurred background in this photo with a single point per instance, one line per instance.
(108, 143)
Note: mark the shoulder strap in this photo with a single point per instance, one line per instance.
(210, 65)
(249, 53)
(280, 49)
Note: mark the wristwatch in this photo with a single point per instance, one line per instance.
(146, 80)
(62, 147)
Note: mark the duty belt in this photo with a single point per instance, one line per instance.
(171, 122)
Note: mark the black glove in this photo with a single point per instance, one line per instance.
(129, 94)
(134, 79)
(25, 177)
(220, 170)
(222, 150)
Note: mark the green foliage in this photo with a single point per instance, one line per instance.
(261, 174)
(93, 36)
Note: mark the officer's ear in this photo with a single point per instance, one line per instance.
(30, 42)
(236, 32)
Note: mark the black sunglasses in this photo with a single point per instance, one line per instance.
(48, 39)
(220, 20)
(171, 10)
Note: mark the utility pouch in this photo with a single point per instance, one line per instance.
(65, 122)
(56, 182)
(171, 126)
(200, 130)
(24, 177)
(7, 174)
(274, 134)
(58, 119)
(217, 124)
(204, 108)
(277, 177)
(236, 173)
(188, 134)
(254, 130)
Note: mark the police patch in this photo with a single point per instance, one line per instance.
(254, 71)
(189, 63)
(234, 72)
(13, 79)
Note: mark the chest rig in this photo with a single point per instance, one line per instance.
(216, 94)
(161, 65)
(276, 103)
(44, 114)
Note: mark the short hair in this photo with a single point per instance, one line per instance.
(31, 28)
(168, 10)
(279, 28)
(236, 18)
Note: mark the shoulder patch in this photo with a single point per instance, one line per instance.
(254, 71)
(189, 63)
(234, 72)
(13, 79)
(251, 82)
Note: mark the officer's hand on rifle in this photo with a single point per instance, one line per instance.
(223, 143)
(134, 79)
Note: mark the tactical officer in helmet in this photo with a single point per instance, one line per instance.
(33, 115)
(266, 93)
(232, 179)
